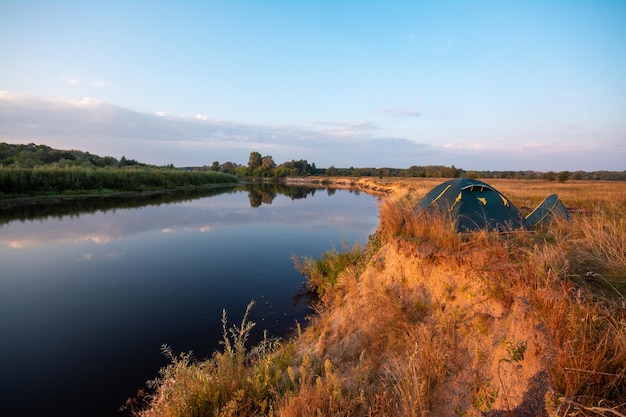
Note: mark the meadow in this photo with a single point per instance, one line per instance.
(421, 321)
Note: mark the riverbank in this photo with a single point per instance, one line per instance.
(424, 321)
(102, 196)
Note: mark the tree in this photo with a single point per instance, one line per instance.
(228, 167)
(267, 163)
(255, 160)
(563, 176)
(550, 176)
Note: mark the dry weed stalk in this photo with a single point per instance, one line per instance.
(416, 377)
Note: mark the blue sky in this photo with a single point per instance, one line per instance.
(482, 85)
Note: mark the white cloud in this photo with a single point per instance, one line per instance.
(202, 117)
(401, 112)
(94, 83)
(464, 146)
(70, 80)
(348, 129)
(83, 102)
(101, 84)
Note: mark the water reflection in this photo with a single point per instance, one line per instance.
(62, 206)
(181, 215)
(265, 193)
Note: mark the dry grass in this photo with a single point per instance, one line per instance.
(236, 381)
(576, 276)
(398, 218)
(425, 321)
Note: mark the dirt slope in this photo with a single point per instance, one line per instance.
(474, 343)
(478, 347)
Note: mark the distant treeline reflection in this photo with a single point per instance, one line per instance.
(260, 194)
(62, 206)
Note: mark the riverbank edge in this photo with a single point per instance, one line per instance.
(365, 184)
(374, 186)
(13, 202)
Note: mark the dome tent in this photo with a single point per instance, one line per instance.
(473, 205)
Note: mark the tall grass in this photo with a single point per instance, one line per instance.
(578, 278)
(25, 181)
(236, 381)
(400, 220)
(323, 273)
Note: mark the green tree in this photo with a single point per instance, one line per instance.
(228, 167)
(267, 163)
(563, 176)
(255, 160)
(550, 176)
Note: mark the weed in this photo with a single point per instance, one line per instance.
(483, 396)
(235, 382)
(323, 273)
(483, 323)
(515, 351)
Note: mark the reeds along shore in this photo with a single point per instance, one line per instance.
(424, 321)
(17, 182)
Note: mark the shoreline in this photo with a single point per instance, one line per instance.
(365, 184)
(34, 200)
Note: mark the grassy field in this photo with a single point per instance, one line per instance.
(424, 321)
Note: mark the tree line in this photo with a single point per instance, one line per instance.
(38, 169)
(33, 156)
(264, 166)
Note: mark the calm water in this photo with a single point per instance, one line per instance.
(88, 295)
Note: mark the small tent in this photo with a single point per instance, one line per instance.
(474, 205)
(550, 207)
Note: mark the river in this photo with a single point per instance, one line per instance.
(91, 289)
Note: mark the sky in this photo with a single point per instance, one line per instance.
(481, 85)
